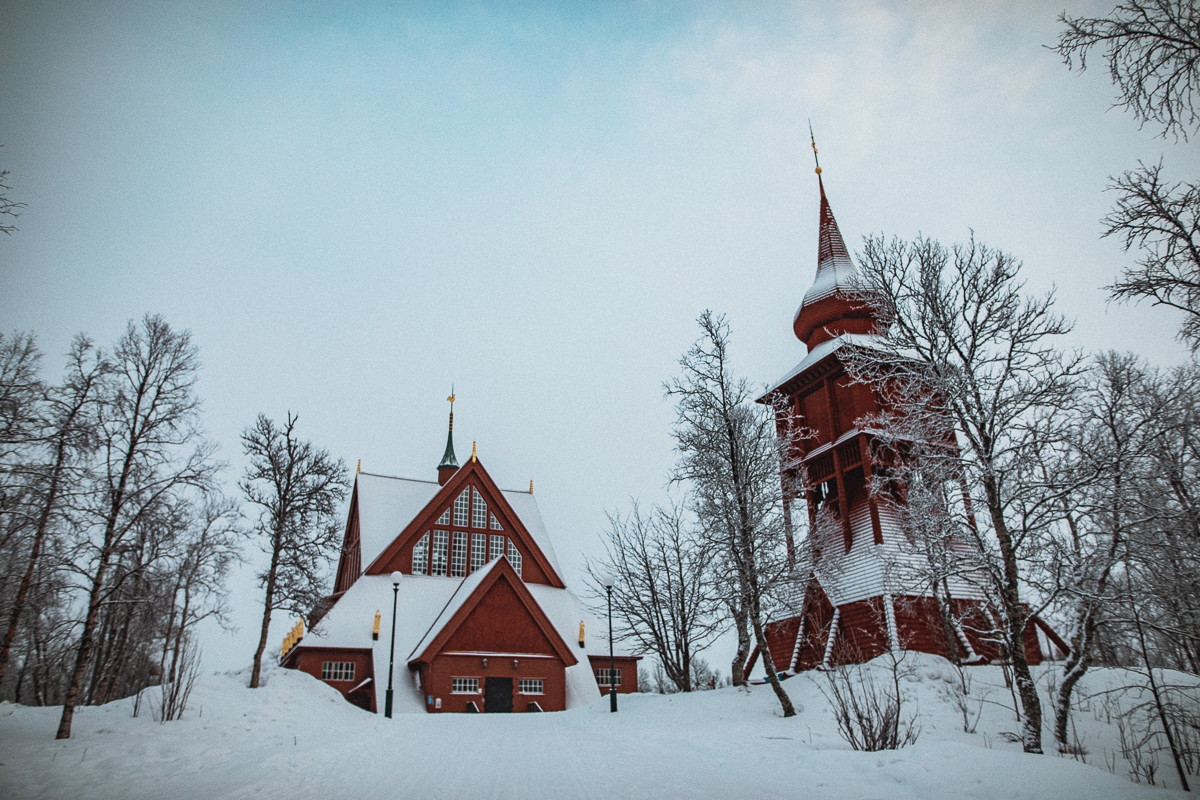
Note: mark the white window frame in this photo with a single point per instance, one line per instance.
(420, 562)
(497, 547)
(441, 552)
(602, 676)
(478, 550)
(531, 686)
(444, 519)
(479, 510)
(464, 686)
(514, 557)
(458, 555)
(462, 508)
(496, 523)
(337, 670)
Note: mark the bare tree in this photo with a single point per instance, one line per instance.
(151, 448)
(8, 207)
(69, 428)
(960, 344)
(297, 487)
(729, 461)
(1152, 49)
(661, 599)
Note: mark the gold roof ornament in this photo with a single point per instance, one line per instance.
(531, 485)
(358, 469)
(813, 139)
(473, 458)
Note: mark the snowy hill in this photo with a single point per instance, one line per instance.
(296, 738)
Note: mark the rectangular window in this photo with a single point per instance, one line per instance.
(458, 558)
(444, 519)
(462, 508)
(497, 547)
(337, 670)
(441, 544)
(496, 524)
(514, 557)
(531, 686)
(478, 550)
(420, 565)
(464, 686)
(478, 511)
(602, 677)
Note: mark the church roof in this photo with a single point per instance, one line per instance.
(819, 354)
(387, 504)
(835, 269)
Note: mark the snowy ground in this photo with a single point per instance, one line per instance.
(296, 738)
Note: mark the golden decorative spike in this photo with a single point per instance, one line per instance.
(358, 469)
(531, 485)
(473, 452)
(814, 147)
(375, 630)
(581, 633)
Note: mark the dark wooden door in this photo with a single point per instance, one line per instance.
(498, 696)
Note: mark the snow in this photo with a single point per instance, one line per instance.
(820, 352)
(296, 737)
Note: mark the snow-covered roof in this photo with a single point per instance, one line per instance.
(822, 351)
(464, 590)
(386, 505)
(835, 270)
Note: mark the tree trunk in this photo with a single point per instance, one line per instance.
(85, 650)
(256, 672)
(737, 670)
(1078, 661)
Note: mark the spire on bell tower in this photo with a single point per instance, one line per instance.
(449, 463)
(826, 310)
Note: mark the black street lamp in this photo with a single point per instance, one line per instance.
(387, 703)
(609, 580)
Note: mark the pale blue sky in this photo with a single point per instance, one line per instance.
(352, 205)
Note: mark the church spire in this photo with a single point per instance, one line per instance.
(826, 311)
(449, 463)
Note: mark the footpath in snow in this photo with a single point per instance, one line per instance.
(296, 738)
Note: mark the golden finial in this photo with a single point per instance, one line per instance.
(451, 399)
(814, 147)
(473, 452)
(531, 485)
(359, 467)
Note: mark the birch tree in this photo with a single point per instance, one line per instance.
(728, 460)
(957, 324)
(296, 487)
(151, 448)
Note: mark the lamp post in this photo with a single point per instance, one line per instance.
(609, 580)
(387, 703)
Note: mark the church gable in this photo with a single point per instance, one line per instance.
(467, 524)
(499, 615)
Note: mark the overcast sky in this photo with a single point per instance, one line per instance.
(354, 205)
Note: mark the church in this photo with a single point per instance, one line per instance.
(483, 619)
(856, 603)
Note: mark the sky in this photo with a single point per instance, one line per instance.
(355, 206)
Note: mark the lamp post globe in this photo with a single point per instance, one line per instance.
(387, 702)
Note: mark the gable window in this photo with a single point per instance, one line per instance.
(441, 544)
(514, 557)
(337, 670)
(496, 524)
(497, 547)
(420, 565)
(444, 519)
(462, 506)
(464, 686)
(531, 686)
(478, 511)
(602, 677)
(458, 558)
(478, 550)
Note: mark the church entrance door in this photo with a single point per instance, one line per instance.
(499, 695)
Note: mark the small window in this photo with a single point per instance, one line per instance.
(602, 677)
(441, 546)
(444, 519)
(462, 507)
(478, 511)
(464, 686)
(337, 670)
(514, 557)
(478, 550)
(531, 686)
(420, 565)
(497, 547)
(458, 557)
(496, 523)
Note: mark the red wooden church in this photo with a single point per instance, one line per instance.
(484, 621)
(856, 603)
